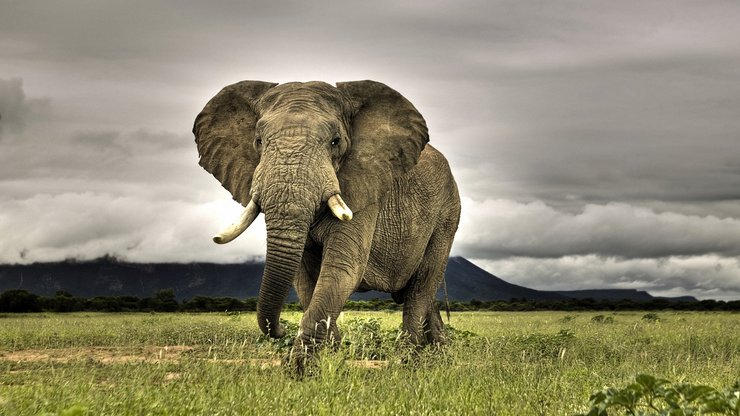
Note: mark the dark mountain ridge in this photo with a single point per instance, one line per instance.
(111, 277)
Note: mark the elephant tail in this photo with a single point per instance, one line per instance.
(447, 301)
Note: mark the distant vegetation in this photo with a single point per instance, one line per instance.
(165, 301)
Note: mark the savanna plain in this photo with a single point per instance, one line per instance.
(503, 363)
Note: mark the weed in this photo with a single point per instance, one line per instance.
(567, 318)
(601, 319)
(367, 340)
(280, 345)
(649, 395)
(459, 336)
(546, 345)
(651, 317)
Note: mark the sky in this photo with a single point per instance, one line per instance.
(596, 144)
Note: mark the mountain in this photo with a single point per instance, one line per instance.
(607, 294)
(111, 277)
(466, 281)
(619, 294)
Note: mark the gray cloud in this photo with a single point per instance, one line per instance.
(503, 228)
(16, 110)
(87, 225)
(135, 194)
(705, 277)
(598, 130)
(610, 134)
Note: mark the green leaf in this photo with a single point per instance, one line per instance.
(628, 398)
(648, 395)
(75, 410)
(650, 383)
(691, 392)
(672, 397)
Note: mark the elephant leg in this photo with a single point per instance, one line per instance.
(416, 306)
(434, 326)
(345, 256)
(308, 273)
(305, 284)
(421, 319)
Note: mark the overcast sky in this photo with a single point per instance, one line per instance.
(596, 143)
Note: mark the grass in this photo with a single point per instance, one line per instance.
(516, 363)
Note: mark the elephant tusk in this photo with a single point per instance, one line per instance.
(339, 208)
(234, 230)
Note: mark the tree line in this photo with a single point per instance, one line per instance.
(165, 301)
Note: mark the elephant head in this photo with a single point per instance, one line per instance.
(291, 150)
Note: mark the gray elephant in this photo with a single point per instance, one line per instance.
(354, 198)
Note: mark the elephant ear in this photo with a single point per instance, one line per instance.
(387, 137)
(224, 133)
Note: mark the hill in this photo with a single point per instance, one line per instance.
(110, 277)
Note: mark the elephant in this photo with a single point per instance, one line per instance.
(354, 198)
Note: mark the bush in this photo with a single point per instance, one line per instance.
(284, 344)
(165, 301)
(651, 317)
(546, 345)
(601, 319)
(652, 396)
(363, 339)
(19, 301)
(63, 302)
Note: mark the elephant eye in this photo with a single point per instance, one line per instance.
(258, 142)
(335, 141)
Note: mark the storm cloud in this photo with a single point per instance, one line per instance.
(615, 230)
(595, 143)
(710, 277)
(16, 110)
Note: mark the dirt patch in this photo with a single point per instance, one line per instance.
(267, 363)
(369, 364)
(149, 354)
(104, 355)
(172, 376)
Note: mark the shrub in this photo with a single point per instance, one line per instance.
(651, 317)
(652, 396)
(19, 301)
(363, 339)
(567, 318)
(601, 319)
(546, 345)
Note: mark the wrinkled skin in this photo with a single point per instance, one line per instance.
(289, 148)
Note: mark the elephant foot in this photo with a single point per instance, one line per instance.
(434, 335)
(430, 331)
(425, 355)
(300, 360)
(425, 344)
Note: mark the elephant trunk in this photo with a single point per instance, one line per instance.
(290, 185)
(287, 231)
(281, 265)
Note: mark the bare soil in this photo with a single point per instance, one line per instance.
(104, 355)
(148, 354)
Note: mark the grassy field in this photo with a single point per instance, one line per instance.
(516, 363)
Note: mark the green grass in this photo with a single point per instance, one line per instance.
(517, 363)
